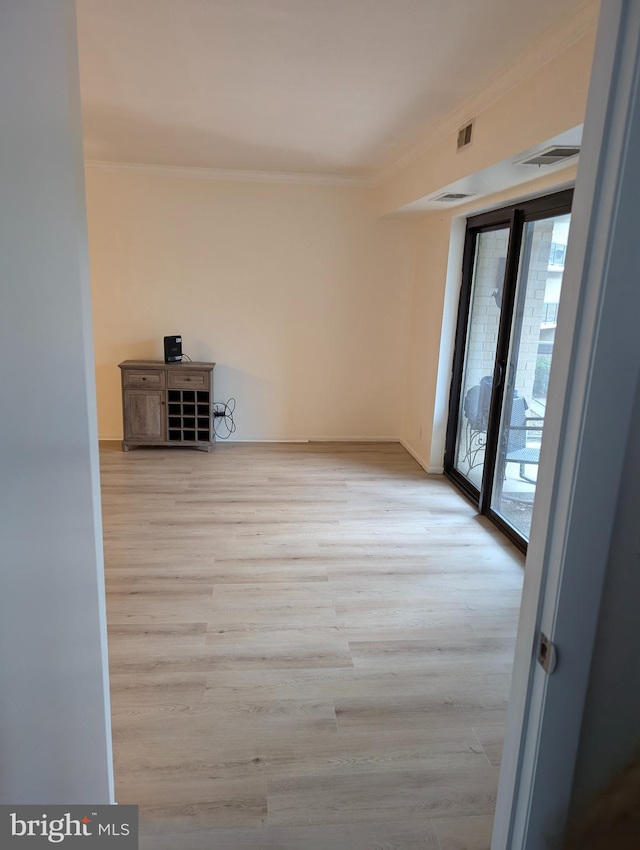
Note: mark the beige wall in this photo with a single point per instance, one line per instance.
(431, 237)
(297, 292)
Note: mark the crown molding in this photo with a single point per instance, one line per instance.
(223, 174)
(551, 44)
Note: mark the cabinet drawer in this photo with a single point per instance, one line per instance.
(189, 380)
(143, 378)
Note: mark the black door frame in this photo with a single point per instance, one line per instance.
(513, 217)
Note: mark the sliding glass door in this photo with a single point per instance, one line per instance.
(481, 346)
(512, 280)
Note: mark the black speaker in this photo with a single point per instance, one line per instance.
(172, 349)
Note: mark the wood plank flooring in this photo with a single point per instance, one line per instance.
(310, 648)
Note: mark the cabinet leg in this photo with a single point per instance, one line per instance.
(125, 447)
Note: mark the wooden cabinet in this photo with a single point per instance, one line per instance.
(167, 404)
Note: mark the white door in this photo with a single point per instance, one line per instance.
(597, 353)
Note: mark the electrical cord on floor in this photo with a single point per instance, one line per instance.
(223, 410)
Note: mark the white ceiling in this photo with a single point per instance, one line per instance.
(334, 87)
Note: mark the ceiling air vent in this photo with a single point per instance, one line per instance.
(550, 156)
(449, 197)
(464, 135)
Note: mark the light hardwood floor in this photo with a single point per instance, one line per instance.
(310, 648)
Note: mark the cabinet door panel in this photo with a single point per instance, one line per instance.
(144, 415)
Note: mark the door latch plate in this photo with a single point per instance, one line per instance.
(547, 654)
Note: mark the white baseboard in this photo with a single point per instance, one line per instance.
(262, 440)
(109, 439)
(430, 470)
(316, 440)
(354, 439)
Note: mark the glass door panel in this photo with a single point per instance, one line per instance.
(533, 330)
(480, 348)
